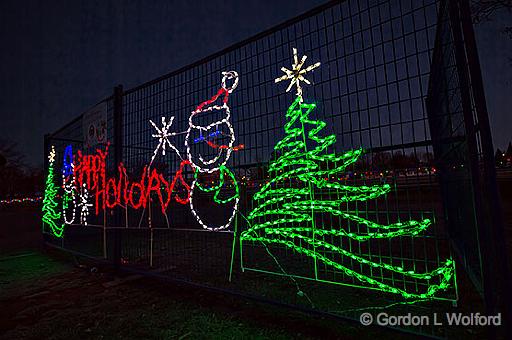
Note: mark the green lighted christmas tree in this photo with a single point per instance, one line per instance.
(287, 207)
(50, 215)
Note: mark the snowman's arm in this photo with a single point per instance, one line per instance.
(234, 148)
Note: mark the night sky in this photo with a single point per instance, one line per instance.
(58, 58)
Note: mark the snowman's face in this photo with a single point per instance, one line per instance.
(210, 138)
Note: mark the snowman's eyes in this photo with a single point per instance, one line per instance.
(202, 138)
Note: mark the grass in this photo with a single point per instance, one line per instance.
(21, 269)
(46, 298)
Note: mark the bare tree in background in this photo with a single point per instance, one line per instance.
(16, 178)
(9, 155)
(484, 10)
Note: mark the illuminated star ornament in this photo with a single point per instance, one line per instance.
(297, 73)
(163, 135)
(51, 156)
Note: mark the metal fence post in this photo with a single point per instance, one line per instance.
(493, 207)
(45, 165)
(488, 206)
(118, 124)
(118, 156)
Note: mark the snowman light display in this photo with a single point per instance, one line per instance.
(209, 142)
(69, 186)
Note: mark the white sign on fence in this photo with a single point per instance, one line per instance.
(95, 125)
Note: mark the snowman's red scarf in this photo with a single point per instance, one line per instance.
(111, 192)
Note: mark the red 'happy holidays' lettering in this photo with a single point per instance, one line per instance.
(112, 192)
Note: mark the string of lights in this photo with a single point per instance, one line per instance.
(83, 204)
(69, 185)
(163, 135)
(216, 164)
(287, 215)
(445, 272)
(213, 165)
(51, 216)
(21, 200)
(121, 191)
(202, 138)
(216, 197)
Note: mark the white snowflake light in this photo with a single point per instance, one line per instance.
(163, 135)
(297, 73)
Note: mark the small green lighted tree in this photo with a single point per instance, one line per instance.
(286, 207)
(50, 215)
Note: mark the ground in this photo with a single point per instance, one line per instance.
(48, 296)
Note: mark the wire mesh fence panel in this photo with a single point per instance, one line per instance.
(464, 154)
(216, 174)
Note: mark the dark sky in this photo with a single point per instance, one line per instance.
(495, 52)
(59, 58)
